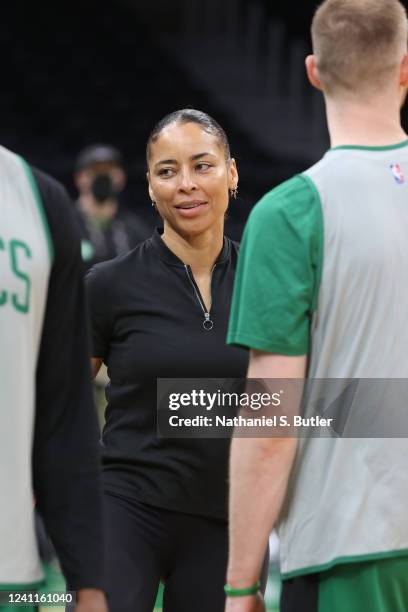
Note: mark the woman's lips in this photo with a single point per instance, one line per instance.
(191, 209)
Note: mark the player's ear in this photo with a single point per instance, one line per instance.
(313, 72)
(404, 71)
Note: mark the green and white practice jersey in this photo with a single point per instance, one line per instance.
(25, 263)
(323, 270)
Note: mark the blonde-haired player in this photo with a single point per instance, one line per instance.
(321, 291)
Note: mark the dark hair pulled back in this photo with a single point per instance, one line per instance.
(190, 115)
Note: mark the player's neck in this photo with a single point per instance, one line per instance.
(372, 123)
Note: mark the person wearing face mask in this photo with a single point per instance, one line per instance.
(161, 311)
(107, 230)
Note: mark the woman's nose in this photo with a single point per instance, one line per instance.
(187, 182)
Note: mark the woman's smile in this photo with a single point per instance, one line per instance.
(192, 208)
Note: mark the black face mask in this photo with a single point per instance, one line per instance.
(103, 189)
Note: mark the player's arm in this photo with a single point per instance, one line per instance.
(275, 294)
(65, 452)
(259, 473)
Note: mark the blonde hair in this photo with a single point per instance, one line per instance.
(357, 43)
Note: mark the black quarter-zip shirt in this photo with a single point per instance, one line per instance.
(147, 323)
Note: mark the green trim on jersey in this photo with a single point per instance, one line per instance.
(40, 207)
(377, 586)
(392, 554)
(400, 145)
(279, 271)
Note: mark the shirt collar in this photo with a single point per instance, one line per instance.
(170, 258)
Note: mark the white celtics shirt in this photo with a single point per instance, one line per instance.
(25, 262)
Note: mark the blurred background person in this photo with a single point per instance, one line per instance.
(107, 230)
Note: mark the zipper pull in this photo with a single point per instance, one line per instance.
(207, 323)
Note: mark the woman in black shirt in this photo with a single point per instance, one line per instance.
(161, 311)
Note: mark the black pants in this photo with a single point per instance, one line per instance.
(300, 593)
(145, 544)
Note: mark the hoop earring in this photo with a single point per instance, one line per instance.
(234, 193)
(153, 203)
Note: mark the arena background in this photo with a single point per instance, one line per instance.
(75, 73)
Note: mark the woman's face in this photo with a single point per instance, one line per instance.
(189, 178)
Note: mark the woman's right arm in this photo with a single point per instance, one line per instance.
(96, 363)
(97, 283)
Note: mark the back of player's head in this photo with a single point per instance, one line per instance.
(358, 43)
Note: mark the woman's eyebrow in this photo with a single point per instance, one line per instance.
(198, 155)
(193, 157)
(166, 161)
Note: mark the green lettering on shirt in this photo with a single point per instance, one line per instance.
(3, 294)
(18, 252)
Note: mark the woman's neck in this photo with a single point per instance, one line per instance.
(198, 251)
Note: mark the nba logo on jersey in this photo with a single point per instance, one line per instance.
(397, 173)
